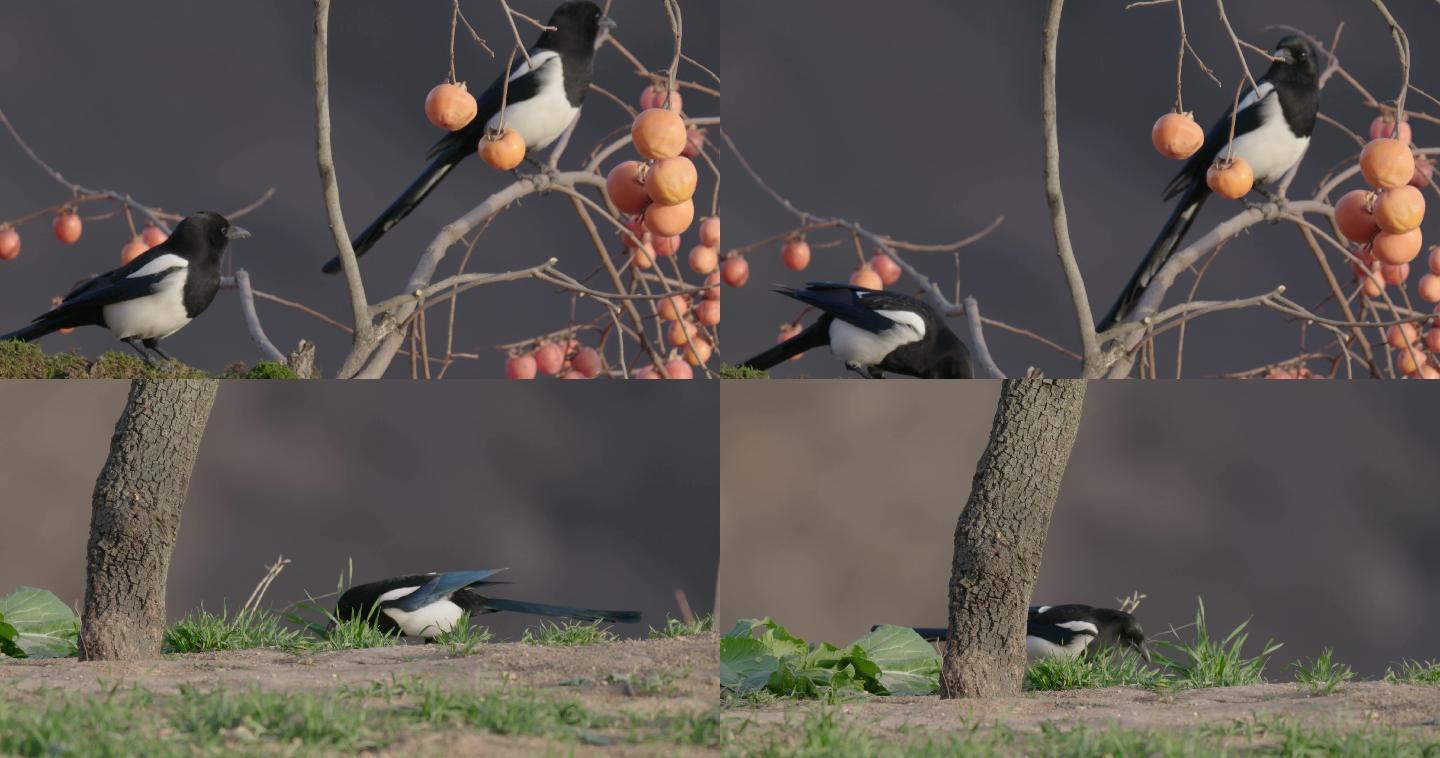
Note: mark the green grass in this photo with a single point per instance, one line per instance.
(1209, 662)
(677, 628)
(1108, 669)
(26, 360)
(205, 632)
(354, 719)
(1323, 676)
(464, 639)
(1414, 672)
(741, 372)
(569, 634)
(827, 732)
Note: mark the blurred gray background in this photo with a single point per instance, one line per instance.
(198, 104)
(607, 499)
(922, 120)
(1309, 507)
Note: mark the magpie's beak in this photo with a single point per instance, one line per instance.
(1284, 55)
(234, 232)
(1144, 652)
(608, 24)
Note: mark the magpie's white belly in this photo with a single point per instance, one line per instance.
(543, 118)
(1271, 149)
(157, 315)
(1039, 647)
(860, 347)
(429, 621)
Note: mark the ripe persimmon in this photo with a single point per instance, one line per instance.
(520, 367)
(549, 358)
(867, 278)
(1353, 215)
(1387, 163)
(886, 267)
(587, 361)
(625, 187)
(133, 249)
(672, 181)
(658, 134)
(503, 152)
(703, 259)
(1396, 249)
(670, 220)
(9, 243)
(450, 106)
(1232, 179)
(710, 231)
(653, 96)
(68, 227)
(707, 312)
(795, 254)
(1400, 210)
(735, 271)
(1176, 135)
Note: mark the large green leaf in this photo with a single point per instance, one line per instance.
(45, 626)
(745, 664)
(905, 663)
(7, 640)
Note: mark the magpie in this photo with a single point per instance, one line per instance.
(544, 96)
(1272, 130)
(151, 297)
(873, 331)
(426, 605)
(1067, 631)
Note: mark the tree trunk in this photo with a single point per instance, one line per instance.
(1000, 537)
(136, 517)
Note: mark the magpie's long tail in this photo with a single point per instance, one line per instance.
(1160, 251)
(813, 336)
(565, 611)
(41, 327)
(411, 197)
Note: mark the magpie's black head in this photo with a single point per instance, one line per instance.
(1126, 630)
(1296, 62)
(577, 24)
(204, 232)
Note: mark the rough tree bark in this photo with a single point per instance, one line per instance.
(1000, 536)
(136, 517)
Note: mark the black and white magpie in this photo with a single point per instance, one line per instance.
(544, 96)
(873, 331)
(151, 297)
(1272, 131)
(1067, 631)
(426, 605)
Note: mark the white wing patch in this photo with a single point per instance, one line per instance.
(428, 621)
(1079, 626)
(542, 118)
(1255, 95)
(1039, 647)
(861, 347)
(398, 592)
(1271, 149)
(158, 314)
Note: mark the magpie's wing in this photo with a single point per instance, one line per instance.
(1216, 139)
(524, 84)
(851, 304)
(442, 585)
(102, 291)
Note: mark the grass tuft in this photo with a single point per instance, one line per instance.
(1110, 668)
(569, 634)
(26, 360)
(741, 372)
(677, 628)
(1414, 672)
(464, 639)
(1207, 662)
(205, 632)
(1323, 676)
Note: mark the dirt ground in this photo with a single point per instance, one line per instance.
(594, 675)
(1357, 705)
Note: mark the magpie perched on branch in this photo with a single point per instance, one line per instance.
(151, 297)
(873, 331)
(426, 605)
(544, 96)
(1272, 131)
(1067, 631)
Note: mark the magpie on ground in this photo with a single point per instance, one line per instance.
(1272, 131)
(544, 96)
(1067, 631)
(151, 297)
(426, 605)
(873, 331)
